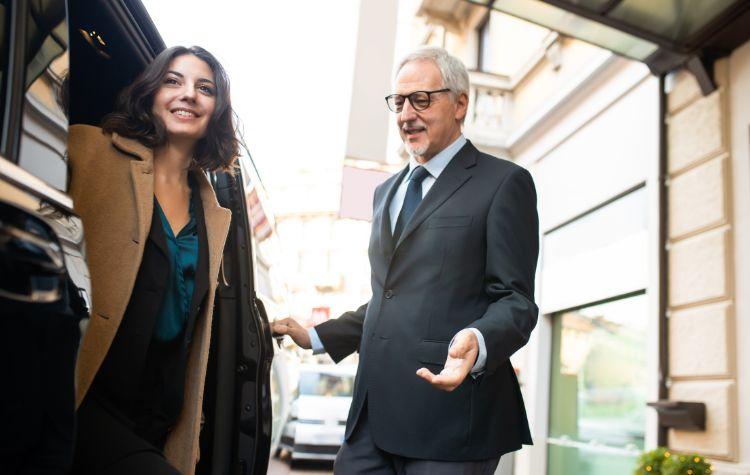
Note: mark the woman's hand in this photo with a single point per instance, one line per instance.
(289, 326)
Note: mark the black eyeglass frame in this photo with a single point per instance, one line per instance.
(409, 96)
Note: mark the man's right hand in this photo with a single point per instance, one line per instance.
(289, 326)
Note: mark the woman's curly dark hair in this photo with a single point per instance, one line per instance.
(132, 118)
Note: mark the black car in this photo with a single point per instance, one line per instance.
(64, 62)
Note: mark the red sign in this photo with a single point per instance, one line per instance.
(258, 220)
(320, 315)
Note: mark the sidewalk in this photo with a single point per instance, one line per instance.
(281, 467)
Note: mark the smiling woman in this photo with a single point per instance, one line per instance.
(186, 99)
(143, 112)
(155, 235)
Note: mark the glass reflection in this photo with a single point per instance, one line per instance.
(598, 394)
(677, 20)
(568, 23)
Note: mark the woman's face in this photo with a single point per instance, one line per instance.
(186, 98)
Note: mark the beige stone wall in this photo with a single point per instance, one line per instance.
(702, 352)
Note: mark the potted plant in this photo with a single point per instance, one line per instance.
(662, 461)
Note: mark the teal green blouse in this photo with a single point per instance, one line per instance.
(183, 261)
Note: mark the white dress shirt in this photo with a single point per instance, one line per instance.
(434, 167)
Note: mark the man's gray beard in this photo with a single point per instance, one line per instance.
(416, 152)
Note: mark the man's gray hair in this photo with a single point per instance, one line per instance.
(454, 74)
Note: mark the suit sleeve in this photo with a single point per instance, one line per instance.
(512, 252)
(341, 336)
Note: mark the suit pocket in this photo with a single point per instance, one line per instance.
(432, 352)
(449, 222)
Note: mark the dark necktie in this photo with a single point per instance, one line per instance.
(411, 200)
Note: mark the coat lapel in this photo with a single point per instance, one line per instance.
(142, 175)
(201, 274)
(217, 221)
(453, 177)
(386, 236)
(157, 233)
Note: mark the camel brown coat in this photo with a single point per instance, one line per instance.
(112, 185)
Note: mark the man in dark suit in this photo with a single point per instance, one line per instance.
(453, 253)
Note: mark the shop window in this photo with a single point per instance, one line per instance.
(598, 388)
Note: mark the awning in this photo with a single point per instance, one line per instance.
(664, 34)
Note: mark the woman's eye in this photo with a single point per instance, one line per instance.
(170, 81)
(206, 89)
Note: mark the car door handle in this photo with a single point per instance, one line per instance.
(32, 264)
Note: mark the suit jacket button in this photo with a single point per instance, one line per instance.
(388, 293)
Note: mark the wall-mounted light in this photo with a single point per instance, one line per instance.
(553, 53)
(96, 41)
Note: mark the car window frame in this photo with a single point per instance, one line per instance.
(13, 83)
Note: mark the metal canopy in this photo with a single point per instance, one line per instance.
(663, 34)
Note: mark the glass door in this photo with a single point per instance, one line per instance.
(598, 388)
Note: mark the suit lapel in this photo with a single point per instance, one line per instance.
(157, 233)
(386, 236)
(201, 270)
(217, 221)
(453, 177)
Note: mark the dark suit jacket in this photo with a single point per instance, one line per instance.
(466, 259)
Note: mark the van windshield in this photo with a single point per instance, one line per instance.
(323, 384)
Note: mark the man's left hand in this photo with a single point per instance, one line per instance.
(461, 358)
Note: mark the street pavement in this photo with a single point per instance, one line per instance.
(281, 467)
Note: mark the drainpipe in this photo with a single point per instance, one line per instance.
(663, 258)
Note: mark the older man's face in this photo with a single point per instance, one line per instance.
(425, 133)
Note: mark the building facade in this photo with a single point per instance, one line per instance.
(643, 282)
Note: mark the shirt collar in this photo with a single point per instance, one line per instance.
(437, 164)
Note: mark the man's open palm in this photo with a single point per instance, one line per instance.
(461, 358)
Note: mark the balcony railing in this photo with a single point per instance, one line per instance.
(489, 103)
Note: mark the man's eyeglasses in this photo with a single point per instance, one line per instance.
(420, 100)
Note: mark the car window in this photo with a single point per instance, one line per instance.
(4, 51)
(45, 124)
(322, 384)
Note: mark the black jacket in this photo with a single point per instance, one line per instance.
(466, 259)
